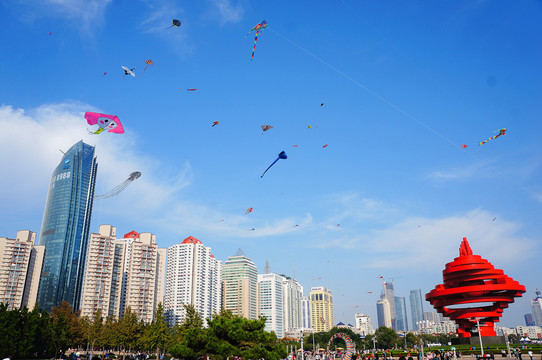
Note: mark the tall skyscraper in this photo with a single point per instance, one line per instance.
(123, 272)
(65, 227)
(306, 313)
(536, 308)
(240, 286)
(322, 318)
(271, 302)
(416, 307)
(529, 319)
(20, 269)
(401, 322)
(292, 293)
(363, 324)
(193, 278)
(388, 294)
(383, 312)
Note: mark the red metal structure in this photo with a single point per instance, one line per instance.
(473, 289)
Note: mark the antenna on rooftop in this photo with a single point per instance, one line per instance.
(267, 269)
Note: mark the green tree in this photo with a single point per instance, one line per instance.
(128, 330)
(386, 337)
(189, 337)
(412, 340)
(158, 335)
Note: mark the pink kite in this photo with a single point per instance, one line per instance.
(111, 123)
(249, 210)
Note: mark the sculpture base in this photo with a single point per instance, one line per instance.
(475, 341)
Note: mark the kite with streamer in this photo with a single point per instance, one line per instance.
(175, 23)
(215, 123)
(501, 132)
(282, 155)
(111, 123)
(148, 62)
(128, 71)
(117, 189)
(266, 128)
(325, 146)
(259, 27)
(249, 210)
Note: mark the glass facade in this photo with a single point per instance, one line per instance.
(416, 307)
(401, 323)
(65, 227)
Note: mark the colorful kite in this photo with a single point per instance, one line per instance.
(128, 71)
(294, 145)
(258, 28)
(249, 210)
(282, 155)
(266, 127)
(322, 320)
(148, 62)
(111, 123)
(464, 146)
(325, 146)
(215, 123)
(175, 23)
(501, 132)
(191, 89)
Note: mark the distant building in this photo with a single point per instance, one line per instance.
(65, 227)
(321, 300)
(240, 286)
(389, 295)
(121, 273)
(20, 268)
(444, 327)
(306, 313)
(536, 308)
(531, 332)
(363, 324)
(292, 292)
(529, 321)
(431, 317)
(416, 307)
(193, 277)
(383, 312)
(401, 322)
(271, 302)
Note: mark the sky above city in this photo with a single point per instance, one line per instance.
(394, 89)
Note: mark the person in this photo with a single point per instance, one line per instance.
(530, 354)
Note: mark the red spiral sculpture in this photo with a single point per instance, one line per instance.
(471, 280)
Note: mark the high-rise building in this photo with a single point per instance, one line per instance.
(431, 317)
(104, 272)
(401, 322)
(363, 324)
(271, 302)
(416, 307)
(383, 312)
(388, 294)
(142, 287)
(292, 293)
(322, 318)
(529, 321)
(536, 308)
(65, 227)
(20, 269)
(123, 272)
(306, 313)
(193, 278)
(240, 286)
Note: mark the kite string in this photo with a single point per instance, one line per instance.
(404, 112)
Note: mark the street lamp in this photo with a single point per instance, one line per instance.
(479, 335)
(302, 355)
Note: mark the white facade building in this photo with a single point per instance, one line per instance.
(383, 312)
(305, 313)
(531, 332)
(363, 324)
(271, 302)
(193, 278)
(292, 294)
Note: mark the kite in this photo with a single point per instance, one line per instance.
(464, 146)
(50, 33)
(282, 155)
(128, 71)
(148, 62)
(322, 104)
(249, 210)
(501, 132)
(117, 189)
(251, 229)
(175, 23)
(266, 127)
(322, 320)
(317, 278)
(258, 28)
(325, 146)
(215, 123)
(294, 145)
(191, 89)
(105, 122)
(105, 73)
(310, 127)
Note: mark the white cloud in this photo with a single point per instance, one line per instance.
(227, 12)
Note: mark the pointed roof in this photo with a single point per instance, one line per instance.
(464, 248)
(191, 240)
(132, 234)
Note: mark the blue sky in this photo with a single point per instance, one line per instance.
(403, 84)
